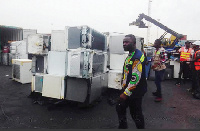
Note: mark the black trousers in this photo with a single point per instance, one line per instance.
(195, 80)
(135, 106)
(185, 70)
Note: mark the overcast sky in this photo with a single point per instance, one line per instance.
(181, 16)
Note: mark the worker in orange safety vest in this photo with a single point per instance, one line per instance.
(186, 54)
(195, 90)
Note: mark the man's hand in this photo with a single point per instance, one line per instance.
(123, 96)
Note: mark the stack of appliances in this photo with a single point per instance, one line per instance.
(38, 48)
(18, 58)
(17, 49)
(77, 64)
(117, 56)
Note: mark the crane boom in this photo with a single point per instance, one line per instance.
(141, 24)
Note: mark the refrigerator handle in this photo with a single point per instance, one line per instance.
(89, 66)
(92, 38)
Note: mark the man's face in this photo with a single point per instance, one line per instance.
(187, 45)
(128, 44)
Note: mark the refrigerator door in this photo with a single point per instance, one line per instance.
(76, 89)
(85, 37)
(114, 79)
(74, 63)
(56, 63)
(99, 63)
(58, 41)
(99, 41)
(83, 90)
(117, 61)
(78, 37)
(39, 64)
(35, 44)
(95, 89)
(53, 86)
(116, 44)
(73, 35)
(79, 63)
(38, 83)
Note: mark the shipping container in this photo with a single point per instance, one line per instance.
(7, 35)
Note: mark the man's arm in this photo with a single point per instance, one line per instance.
(135, 77)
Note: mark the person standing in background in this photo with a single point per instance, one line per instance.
(195, 66)
(158, 65)
(186, 54)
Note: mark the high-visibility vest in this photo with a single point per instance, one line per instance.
(197, 63)
(185, 56)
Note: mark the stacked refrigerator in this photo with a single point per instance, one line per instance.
(21, 70)
(18, 50)
(79, 56)
(38, 48)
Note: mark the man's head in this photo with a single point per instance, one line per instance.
(187, 44)
(129, 43)
(195, 47)
(157, 43)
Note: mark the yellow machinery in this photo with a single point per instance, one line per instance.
(168, 41)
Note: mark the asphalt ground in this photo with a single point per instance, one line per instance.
(178, 110)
